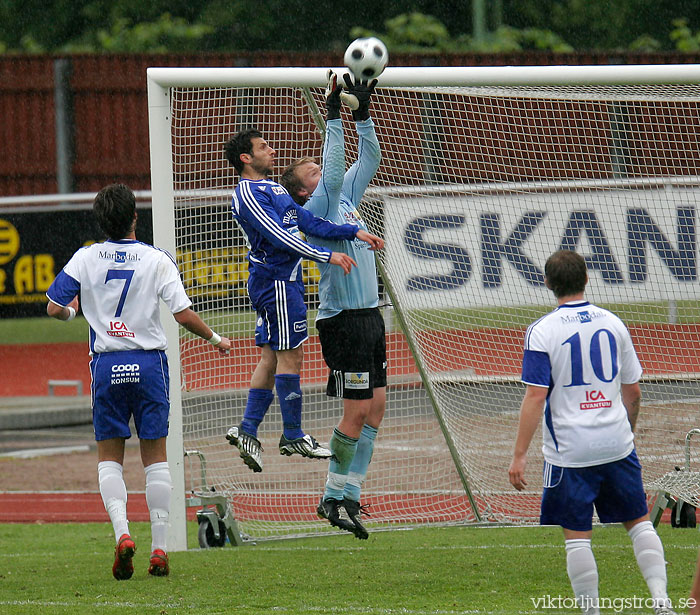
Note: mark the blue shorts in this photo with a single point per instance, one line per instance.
(281, 312)
(130, 383)
(614, 488)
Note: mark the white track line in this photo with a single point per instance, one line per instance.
(29, 453)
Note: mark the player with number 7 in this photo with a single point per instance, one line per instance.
(120, 284)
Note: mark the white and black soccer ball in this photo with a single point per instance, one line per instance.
(366, 58)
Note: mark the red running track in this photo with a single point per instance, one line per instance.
(73, 507)
(67, 507)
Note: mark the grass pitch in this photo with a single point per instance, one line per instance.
(242, 323)
(66, 569)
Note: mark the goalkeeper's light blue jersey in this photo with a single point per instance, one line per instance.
(336, 199)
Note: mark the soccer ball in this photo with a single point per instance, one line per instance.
(366, 58)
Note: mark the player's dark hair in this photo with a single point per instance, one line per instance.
(115, 208)
(290, 180)
(565, 272)
(240, 143)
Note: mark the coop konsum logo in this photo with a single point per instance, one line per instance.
(125, 373)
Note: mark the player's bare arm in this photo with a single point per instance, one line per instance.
(194, 324)
(530, 416)
(342, 260)
(632, 399)
(63, 313)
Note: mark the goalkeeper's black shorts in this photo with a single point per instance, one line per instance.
(354, 348)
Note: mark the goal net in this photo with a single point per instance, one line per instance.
(485, 172)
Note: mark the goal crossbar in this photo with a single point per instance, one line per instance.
(438, 76)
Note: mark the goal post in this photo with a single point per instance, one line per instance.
(485, 172)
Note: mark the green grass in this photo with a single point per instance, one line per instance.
(51, 331)
(242, 324)
(42, 330)
(499, 317)
(66, 569)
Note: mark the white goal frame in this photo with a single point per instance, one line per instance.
(161, 80)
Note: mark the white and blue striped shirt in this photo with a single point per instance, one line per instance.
(120, 285)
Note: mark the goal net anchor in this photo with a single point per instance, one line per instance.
(215, 518)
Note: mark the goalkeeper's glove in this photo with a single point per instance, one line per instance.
(333, 91)
(361, 91)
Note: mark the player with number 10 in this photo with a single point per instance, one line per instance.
(581, 368)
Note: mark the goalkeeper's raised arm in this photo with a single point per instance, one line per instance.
(348, 316)
(369, 156)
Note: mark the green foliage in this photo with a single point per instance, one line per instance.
(645, 44)
(415, 32)
(167, 33)
(683, 36)
(410, 32)
(29, 44)
(507, 39)
(417, 26)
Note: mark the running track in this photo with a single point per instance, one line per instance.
(20, 366)
(68, 507)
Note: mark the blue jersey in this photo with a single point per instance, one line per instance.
(336, 198)
(271, 221)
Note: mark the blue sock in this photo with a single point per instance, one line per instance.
(343, 448)
(360, 463)
(256, 408)
(289, 395)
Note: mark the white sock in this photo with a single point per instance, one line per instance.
(583, 574)
(113, 491)
(650, 557)
(158, 490)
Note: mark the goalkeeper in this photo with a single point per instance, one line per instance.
(349, 323)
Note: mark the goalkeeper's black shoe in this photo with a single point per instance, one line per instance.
(355, 511)
(331, 509)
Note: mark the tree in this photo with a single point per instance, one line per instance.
(415, 32)
(325, 25)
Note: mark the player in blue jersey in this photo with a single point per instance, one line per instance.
(581, 369)
(349, 323)
(272, 222)
(119, 284)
